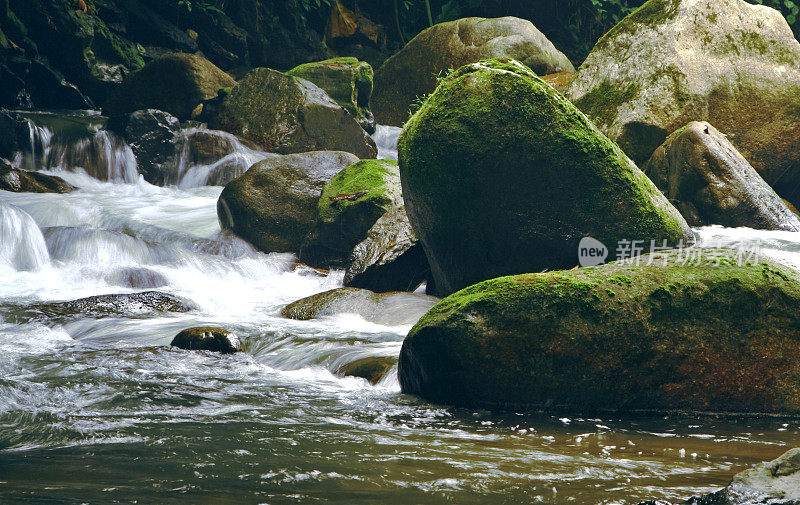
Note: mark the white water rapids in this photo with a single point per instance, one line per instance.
(102, 410)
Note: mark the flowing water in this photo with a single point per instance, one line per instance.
(101, 410)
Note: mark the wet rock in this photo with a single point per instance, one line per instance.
(492, 188)
(372, 368)
(413, 72)
(205, 147)
(704, 334)
(138, 278)
(207, 339)
(346, 80)
(391, 309)
(43, 87)
(21, 181)
(175, 83)
(284, 114)
(728, 62)
(153, 136)
(274, 204)
(144, 304)
(15, 134)
(710, 182)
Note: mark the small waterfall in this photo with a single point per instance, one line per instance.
(98, 152)
(22, 245)
(385, 138)
(213, 158)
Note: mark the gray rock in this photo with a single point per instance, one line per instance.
(710, 182)
(412, 73)
(153, 136)
(274, 204)
(728, 62)
(21, 181)
(206, 338)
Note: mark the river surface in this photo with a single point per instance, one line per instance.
(101, 410)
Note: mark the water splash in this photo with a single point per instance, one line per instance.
(22, 246)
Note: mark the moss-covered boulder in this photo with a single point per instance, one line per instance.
(285, 114)
(710, 182)
(413, 72)
(391, 309)
(728, 62)
(502, 175)
(205, 338)
(347, 80)
(175, 83)
(274, 204)
(697, 334)
(21, 181)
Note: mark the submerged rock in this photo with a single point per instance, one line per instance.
(495, 188)
(153, 136)
(728, 62)
(688, 330)
(391, 309)
(372, 368)
(284, 114)
(144, 304)
(347, 80)
(413, 72)
(175, 83)
(274, 204)
(709, 181)
(206, 338)
(21, 181)
(137, 278)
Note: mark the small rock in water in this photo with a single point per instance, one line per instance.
(372, 368)
(22, 181)
(138, 278)
(205, 338)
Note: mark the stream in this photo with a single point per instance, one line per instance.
(100, 409)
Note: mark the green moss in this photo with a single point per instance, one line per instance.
(605, 99)
(365, 175)
(651, 14)
(621, 280)
(347, 80)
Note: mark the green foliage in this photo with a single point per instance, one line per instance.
(789, 9)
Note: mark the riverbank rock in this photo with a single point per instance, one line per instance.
(697, 334)
(710, 182)
(347, 80)
(728, 62)
(391, 309)
(144, 304)
(413, 72)
(372, 368)
(21, 181)
(205, 338)
(494, 188)
(153, 136)
(274, 204)
(175, 83)
(284, 114)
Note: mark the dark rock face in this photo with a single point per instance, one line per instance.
(152, 135)
(15, 134)
(274, 204)
(390, 309)
(21, 181)
(144, 304)
(668, 334)
(284, 114)
(710, 182)
(493, 188)
(207, 339)
(175, 83)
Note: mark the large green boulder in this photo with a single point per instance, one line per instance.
(273, 205)
(287, 115)
(347, 80)
(413, 72)
(175, 83)
(502, 175)
(728, 62)
(689, 329)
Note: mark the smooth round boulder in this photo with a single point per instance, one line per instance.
(274, 204)
(413, 72)
(710, 182)
(285, 114)
(204, 338)
(502, 175)
(693, 330)
(728, 62)
(175, 83)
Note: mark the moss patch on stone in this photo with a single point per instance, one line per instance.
(366, 175)
(651, 14)
(604, 100)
